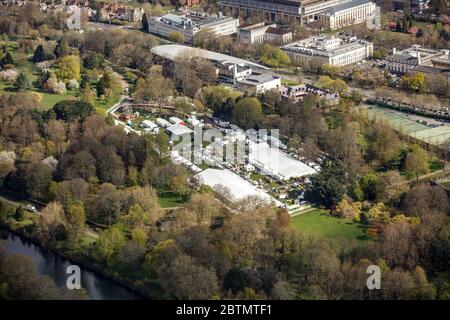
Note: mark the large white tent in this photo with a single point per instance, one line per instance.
(239, 188)
(276, 163)
(179, 130)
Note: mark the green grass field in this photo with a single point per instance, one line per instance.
(319, 224)
(170, 200)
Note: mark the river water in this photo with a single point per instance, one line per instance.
(54, 266)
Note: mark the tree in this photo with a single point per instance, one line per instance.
(274, 56)
(247, 112)
(236, 280)
(416, 162)
(156, 86)
(61, 49)
(176, 37)
(205, 207)
(188, 280)
(52, 223)
(6, 60)
(69, 110)
(384, 144)
(327, 187)
(390, 186)
(131, 256)
(22, 83)
(76, 219)
(39, 54)
(109, 243)
(144, 22)
(87, 95)
(104, 84)
(30, 180)
(69, 68)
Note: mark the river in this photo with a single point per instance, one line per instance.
(54, 266)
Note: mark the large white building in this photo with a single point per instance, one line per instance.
(263, 32)
(346, 14)
(286, 11)
(332, 50)
(189, 23)
(401, 62)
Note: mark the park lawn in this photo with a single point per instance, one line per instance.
(170, 200)
(319, 224)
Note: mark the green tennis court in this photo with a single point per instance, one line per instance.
(431, 135)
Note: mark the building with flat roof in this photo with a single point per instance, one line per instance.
(400, 62)
(189, 23)
(332, 50)
(263, 32)
(346, 14)
(285, 11)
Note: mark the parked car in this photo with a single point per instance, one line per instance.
(31, 208)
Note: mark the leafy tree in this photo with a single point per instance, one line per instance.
(327, 187)
(416, 162)
(131, 256)
(39, 54)
(22, 83)
(390, 186)
(176, 37)
(52, 223)
(109, 244)
(61, 49)
(104, 84)
(69, 68)
(7, 59)
(30, 180)
(76, 219)
(236, 280)
(144, 26)
(247, 112)
(69, 110)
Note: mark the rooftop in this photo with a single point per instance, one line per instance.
(345, 6)
(239, 188)
(325, 45)
(257, 78)
(277, 162)
(178, 130)
(172, 51)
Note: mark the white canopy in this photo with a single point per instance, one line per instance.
(276, 163)
(239, 188)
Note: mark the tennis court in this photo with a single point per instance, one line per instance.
(395, 120)
(402, 123)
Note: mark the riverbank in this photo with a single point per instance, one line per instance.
(84, 263)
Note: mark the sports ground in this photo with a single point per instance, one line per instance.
(434, 135)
